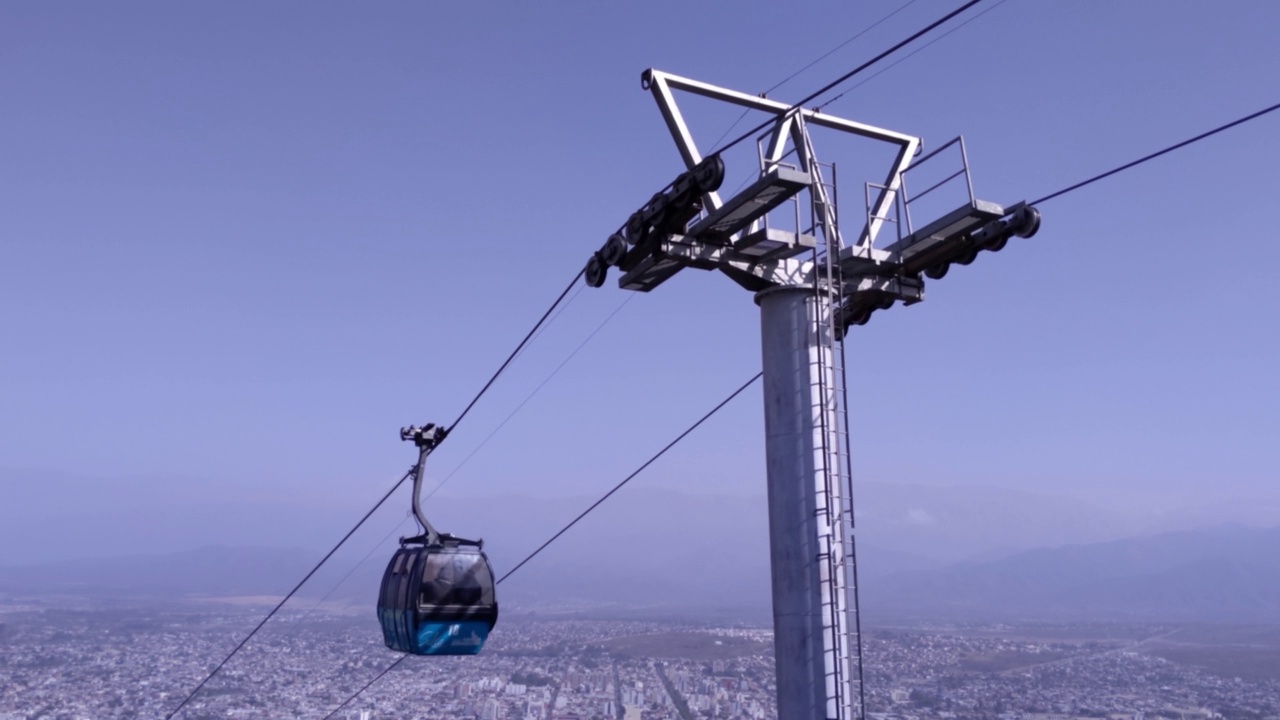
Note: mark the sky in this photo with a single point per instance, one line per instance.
(244, 243)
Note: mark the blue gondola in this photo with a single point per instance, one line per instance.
(437, 595)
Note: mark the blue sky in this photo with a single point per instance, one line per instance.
(244, 243)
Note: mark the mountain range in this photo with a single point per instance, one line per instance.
(1224, 574)
(923, 551)
(49, 516)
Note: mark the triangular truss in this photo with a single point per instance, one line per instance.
(734, 234)
(789, 125)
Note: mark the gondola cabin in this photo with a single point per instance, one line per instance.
(438, 599)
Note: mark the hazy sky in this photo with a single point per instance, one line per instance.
(243, 243)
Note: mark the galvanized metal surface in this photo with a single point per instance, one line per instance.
(807, 520)
(661, 84)
(806, 307)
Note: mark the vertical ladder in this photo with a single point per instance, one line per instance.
(841, 623)
(843, 453)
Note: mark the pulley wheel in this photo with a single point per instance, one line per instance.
(656, 211)
(614, 250)
(597, 271)
(709, 174)
(1029, 222)
(635, 228)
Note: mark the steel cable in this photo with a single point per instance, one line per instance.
(617, 487)
(571, 523)
(561, 297)
(524, 341)
(815, 61)
(834, 83)
(530, 396)
(286, 598)
(1156, 154)
(909, 55)
(477, 448)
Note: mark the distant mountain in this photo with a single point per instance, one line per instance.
(921, 549)
(966, 522)
(46, 516)
(666, 551)
(214, 570)
(1225, 574)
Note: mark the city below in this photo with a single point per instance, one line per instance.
(66, 661)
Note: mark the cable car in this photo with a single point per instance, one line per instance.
(437, 595)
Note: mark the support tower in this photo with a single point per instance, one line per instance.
(780, 238)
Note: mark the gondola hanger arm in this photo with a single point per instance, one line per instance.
(426, 439)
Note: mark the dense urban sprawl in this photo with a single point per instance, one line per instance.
(133, 662)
